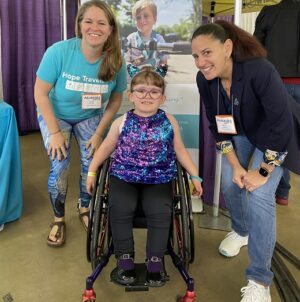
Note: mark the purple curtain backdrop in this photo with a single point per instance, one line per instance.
(27, 29)
(207, 148)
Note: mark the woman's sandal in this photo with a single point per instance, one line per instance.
(60, 235)
(84, 218)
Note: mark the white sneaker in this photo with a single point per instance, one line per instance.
(231, 245)
(255, 292)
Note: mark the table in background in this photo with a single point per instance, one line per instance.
(11, 199)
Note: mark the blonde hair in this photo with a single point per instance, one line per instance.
(148, 76)
(112, 61)
(141, 4)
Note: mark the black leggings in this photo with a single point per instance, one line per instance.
(157, 205)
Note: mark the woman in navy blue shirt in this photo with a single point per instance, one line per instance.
(249, 114)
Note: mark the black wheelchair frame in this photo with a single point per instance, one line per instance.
(181, 242)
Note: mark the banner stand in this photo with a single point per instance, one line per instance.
(207, 220)
(212, 217)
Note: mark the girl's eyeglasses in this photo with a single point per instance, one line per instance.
(142, 93)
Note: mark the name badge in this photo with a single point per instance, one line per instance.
(225, 124)
(91, 101)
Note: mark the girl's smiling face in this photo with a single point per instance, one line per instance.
(146, 99)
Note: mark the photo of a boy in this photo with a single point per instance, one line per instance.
(141, 44)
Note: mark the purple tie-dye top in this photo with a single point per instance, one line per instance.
(145, 151)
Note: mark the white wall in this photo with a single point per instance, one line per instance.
(248, 21)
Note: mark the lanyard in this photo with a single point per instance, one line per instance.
(218, 100)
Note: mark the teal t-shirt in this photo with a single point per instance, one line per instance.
(65, 67)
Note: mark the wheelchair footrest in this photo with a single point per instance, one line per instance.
(141, 275)
(136, 288)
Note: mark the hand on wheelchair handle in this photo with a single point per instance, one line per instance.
(197, 191)
(90, 184)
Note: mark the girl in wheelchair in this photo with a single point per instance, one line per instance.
(145, 143)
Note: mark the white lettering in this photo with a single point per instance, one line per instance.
(85, 87)
(91, 80)
(70, 76)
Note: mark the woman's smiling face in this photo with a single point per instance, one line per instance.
(95, 27)
(211, 55)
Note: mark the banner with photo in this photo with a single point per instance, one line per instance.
(158, 32)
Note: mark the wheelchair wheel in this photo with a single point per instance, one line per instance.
(182, 234)
(189, 215)
(98, 240)
(92, 207)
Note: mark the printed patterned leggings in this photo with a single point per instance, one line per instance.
(58, 176)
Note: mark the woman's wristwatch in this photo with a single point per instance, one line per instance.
(263, 172)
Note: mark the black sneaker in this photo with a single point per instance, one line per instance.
(155, 279)
(125, 272)
(126, 277)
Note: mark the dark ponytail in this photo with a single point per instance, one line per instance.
(245, 46)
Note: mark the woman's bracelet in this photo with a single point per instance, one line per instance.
(93, 174)
(54, 132)
(196, 177)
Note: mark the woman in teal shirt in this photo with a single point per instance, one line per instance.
(78, 90)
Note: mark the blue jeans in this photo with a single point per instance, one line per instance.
(294, 91)
(254, 213)
(284, 184)
(58, 176)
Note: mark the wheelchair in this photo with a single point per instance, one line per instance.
(99, 245)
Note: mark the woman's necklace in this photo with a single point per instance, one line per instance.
(226, 85)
